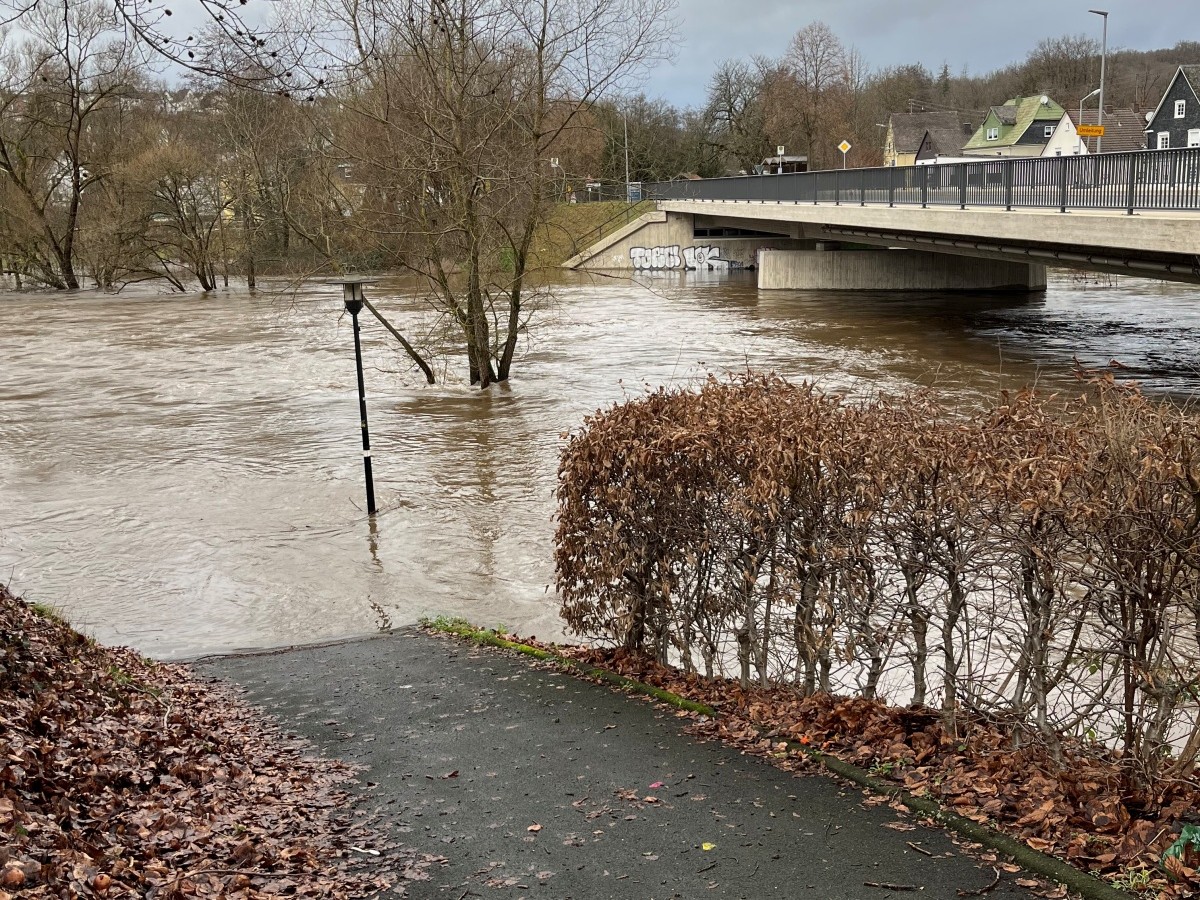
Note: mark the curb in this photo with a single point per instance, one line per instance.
(1086, 885)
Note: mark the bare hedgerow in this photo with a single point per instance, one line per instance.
(1036, 563)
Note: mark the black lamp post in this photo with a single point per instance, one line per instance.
(352, 294)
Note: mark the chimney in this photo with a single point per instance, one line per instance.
(967, 128)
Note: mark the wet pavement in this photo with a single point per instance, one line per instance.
(533, 783)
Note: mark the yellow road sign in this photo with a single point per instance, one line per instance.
(844, 146)
(1090, 130)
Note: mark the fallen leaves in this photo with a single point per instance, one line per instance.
(122, 777)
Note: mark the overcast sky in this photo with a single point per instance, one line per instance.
(978, 35)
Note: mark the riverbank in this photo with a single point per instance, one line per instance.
(124, 777)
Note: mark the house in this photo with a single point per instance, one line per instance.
(943, 142)
(906, 131)
(1065, 141)
(1176, 121)
(1124, 130)
(1021, 127)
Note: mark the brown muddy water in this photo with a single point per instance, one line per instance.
(182, 474)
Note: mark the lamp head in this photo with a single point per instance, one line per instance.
(352, 292)
(1099, 12)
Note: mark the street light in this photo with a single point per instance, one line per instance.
(1103, 52)
(352, 295)
(1080, 120)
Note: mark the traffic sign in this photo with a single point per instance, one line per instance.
(1090, 130)
(844, 146)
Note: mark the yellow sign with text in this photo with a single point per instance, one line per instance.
(1090, 130)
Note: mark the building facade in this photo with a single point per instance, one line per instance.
(1176, 121)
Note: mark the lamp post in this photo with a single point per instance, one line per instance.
(352, 295)
(1079, 121)
(1103, 53)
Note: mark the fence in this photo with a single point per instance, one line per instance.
(1142, 179)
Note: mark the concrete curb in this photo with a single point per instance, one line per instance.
(1086, 885)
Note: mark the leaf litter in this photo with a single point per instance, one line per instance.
(122, 777)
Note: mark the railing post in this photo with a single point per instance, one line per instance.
(1008, 184)
(1131, 185)
(891, 186)
(924, 186)
(862, 187)
(837, 189)
(962, 185)
(1062, 183)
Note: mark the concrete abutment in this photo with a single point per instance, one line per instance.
(893, 270)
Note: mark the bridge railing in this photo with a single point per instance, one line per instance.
(1142, 179)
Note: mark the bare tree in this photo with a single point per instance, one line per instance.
(816, 94)
(448, 111)
(735, 113)
(65, 73)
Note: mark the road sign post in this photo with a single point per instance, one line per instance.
(844, 146)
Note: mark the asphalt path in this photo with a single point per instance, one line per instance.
(533, 783)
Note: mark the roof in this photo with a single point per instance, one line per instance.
(1013, 120)
(908, 129)
(1006, 114)
(947, 141)
(1191, 74)
(1124, 129)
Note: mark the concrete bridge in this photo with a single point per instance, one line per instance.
(987, 225)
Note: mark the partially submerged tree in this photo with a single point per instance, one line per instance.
(449, 111)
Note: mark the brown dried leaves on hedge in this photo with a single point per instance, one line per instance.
(122, 777)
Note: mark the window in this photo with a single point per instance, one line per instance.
(993, 133)
(1194, 137)
(1048, 131)
(1180, 108)
(1164, 140)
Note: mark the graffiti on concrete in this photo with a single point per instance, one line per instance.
(702, 258)
(655, 257)
(706, 258)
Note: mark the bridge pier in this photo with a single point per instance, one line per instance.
(893, 270)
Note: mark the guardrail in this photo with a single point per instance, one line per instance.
(1138, 180)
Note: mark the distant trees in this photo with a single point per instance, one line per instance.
(59, 81)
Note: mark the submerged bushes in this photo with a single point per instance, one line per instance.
(1038, 563)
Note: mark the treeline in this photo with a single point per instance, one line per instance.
(1037, 563)
(822, 91)
(107, 176)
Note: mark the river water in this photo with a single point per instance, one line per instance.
(182, 474)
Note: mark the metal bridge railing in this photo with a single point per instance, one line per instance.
(1141, 179)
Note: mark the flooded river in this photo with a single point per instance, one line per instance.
(182, 474)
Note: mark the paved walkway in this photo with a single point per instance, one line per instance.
(471, 750)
